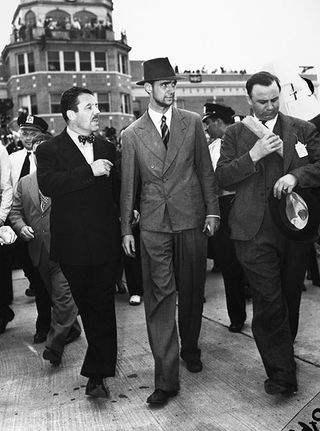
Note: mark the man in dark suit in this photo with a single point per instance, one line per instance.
(287, 155)
(30, 219)
(75, 170)
(167, 150)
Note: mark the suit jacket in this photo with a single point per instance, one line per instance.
(84, 220)
(236, 171)
(177, 185)
(16, 160)
(26, 211)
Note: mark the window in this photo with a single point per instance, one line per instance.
(104, 102)
(21, 66)
(122, 63)
(69, 60)
(28, 103)
(125, 103)
(55, 103)
(100, 61)
(53, 60)
(85, 62)
(30, 58)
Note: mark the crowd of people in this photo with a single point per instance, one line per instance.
(82, 206)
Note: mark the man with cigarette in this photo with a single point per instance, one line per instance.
(261, 167)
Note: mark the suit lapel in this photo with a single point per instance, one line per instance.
(178, 129)
(150, 137)
(290, 138)
(32, 186)
(69, 151)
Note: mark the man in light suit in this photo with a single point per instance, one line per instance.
(75, 170)
(167, 150)
(30, 219)
(286, 156)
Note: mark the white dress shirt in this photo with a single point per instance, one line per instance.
(5, 184)
(214, 150)
(86, 148)
(16, 160)
(157, 116)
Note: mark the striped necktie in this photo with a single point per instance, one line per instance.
(165, 134)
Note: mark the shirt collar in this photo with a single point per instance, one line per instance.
(270, 123)
(74, 136)
(156, 116)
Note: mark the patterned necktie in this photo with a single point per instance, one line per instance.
(164, 131)
(25, 170)
(90, 139)
(43, 201)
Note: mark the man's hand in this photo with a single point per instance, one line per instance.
(101, 167)
(284, 184)
(135, 218)
(7, 235)
(211, 225)
(27, 233)
(128, 245)
(266, 145)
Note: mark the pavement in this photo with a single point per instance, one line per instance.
(227, 395)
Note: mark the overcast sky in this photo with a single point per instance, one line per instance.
(235, 34)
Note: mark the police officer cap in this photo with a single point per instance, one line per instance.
(214, 110)
(32, 122)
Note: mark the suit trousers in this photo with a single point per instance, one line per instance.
(92, 288)
(232, 272)
(64, 309)
(275, 267)
(170, 262)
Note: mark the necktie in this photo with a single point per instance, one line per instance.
(264, 123)
(90, 139)
(165, 134)
(43, 201)
(25, 170)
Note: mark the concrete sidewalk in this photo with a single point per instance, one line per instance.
(227, 396)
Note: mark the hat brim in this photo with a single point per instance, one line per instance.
(278, 214)
(31, 126)
(209, 115)
(167, 78)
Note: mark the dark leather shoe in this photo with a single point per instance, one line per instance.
(73, 335)
(273, 387)
(160, 397)
(5, 319)
(39, 337)
(236, 327)
(97, 389)
(53, 357)
(194, 366)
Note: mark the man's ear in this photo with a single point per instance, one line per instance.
(148, 87)
(71, 114)
(249, 100)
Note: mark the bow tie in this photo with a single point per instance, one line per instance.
(83, 139)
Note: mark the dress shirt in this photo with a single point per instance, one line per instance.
(5, 184)
(86, 148)
(157, 116)
(270, 123)
(214, 150)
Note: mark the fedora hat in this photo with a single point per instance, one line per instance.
(297, 214)
(158, 69)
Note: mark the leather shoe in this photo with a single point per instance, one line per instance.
(52, 356)
(72, 336)
(160, 397)
(236, 327)
(194, 366)
(4, 320)
(97, 389)
(39, 337)
(273, 387)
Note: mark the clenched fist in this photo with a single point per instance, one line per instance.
(101, 167)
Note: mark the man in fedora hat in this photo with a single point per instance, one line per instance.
(166, 150)
(286, 155)
(216, 119)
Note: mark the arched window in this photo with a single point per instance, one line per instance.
(60, 17)
(30, 19)
(109, 21)
(84, 16)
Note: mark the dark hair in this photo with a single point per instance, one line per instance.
(69, 100)
(261, 78)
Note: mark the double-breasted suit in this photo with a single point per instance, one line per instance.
(275, 265)
(177, 192)
(26, 211)
(85, 240)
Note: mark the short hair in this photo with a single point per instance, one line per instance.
(69, 100)
(261, 78)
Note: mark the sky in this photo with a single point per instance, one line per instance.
(234, 34)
